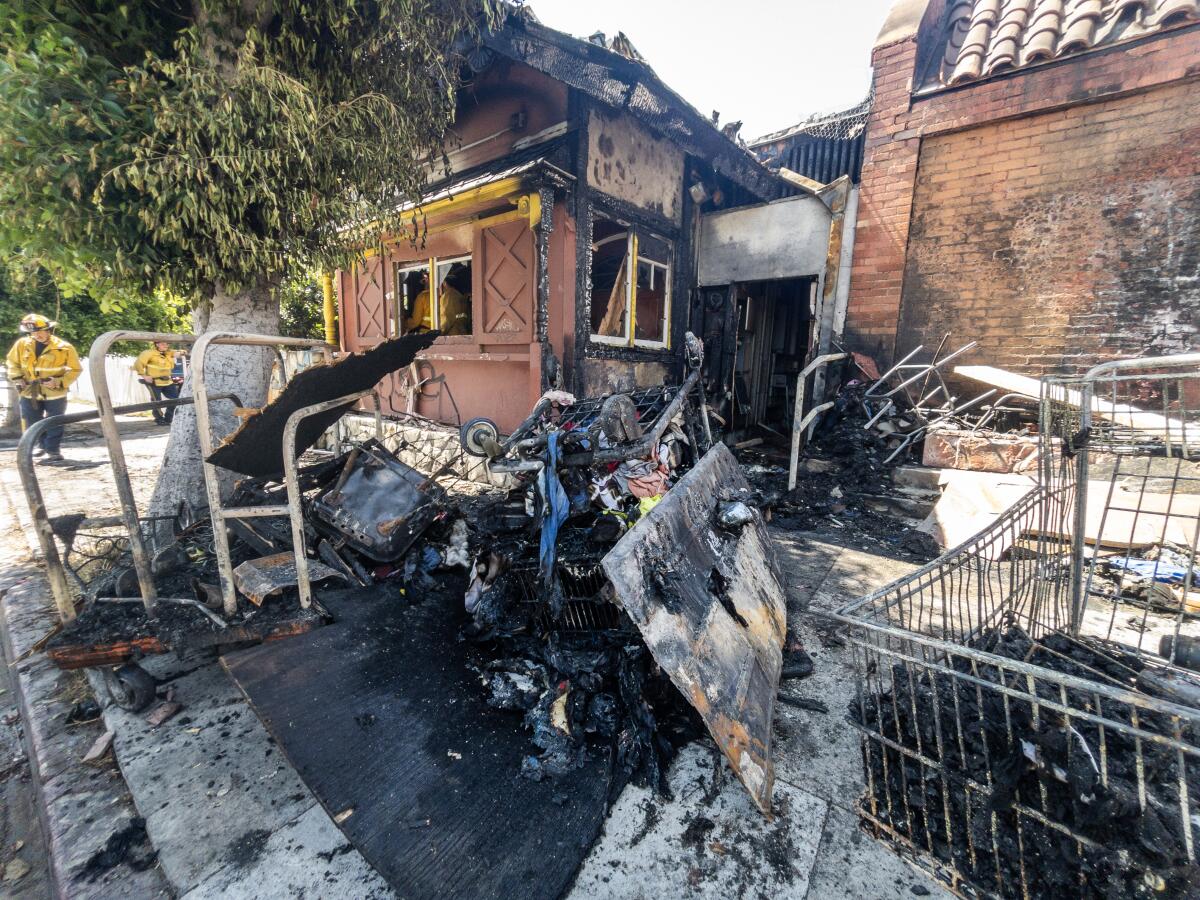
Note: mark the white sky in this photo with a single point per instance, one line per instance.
(769, 63)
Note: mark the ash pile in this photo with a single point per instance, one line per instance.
(1027, 799)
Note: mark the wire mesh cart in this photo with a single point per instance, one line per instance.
(1028, 702)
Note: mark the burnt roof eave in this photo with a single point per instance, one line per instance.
(633, 88)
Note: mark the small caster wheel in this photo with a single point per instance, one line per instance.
(131, 687)
(477, 435)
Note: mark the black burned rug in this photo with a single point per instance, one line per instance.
(386, 723)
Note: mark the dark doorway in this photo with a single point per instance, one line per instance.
(756, 336)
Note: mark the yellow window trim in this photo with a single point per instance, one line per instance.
(631, 285)
(529, 205)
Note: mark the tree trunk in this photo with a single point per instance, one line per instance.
(244, 371)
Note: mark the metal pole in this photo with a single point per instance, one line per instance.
(1078, 600)
(798, 412)
(212, 484)
(291, 481)
(893, 370)
(64, 597)
(926, 370)
(116, 453)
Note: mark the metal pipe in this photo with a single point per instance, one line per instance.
(814, 412)
(798, 411)
(64, 598)
(921, 429)
(1150, 362)
(251, 512)
(893, 370)
(883, 411)
(925, 370)
(116, 453)
(291, 481)
(212, 484)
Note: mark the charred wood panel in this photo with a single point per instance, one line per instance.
(256, 448)
(710, 605)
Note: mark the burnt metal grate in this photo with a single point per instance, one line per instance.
(588, 604)
(1016, 736)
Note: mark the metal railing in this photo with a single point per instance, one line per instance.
(212, 484)
(1022, 734)
(800, 419)
(291, 480)
(116, 453)
(64, 595)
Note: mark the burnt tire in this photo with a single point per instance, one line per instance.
(475, 433)
(131, 687)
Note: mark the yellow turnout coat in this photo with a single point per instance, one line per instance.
(46, 376)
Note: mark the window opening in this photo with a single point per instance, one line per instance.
(631, 286)
(412, 308)
(610, 275)
(652, 291)
(454, 295)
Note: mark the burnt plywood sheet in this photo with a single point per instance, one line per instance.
(383, 720)
(711, 607)
(256, 448)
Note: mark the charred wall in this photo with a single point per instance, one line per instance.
(627, 162)
(499, 107)
(903, 122)
(1062, 239)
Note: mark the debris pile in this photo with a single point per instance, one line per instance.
(1162, 578)
(844, 483)
(990, 752)
(556, 587)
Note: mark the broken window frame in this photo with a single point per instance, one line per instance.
(430, 265)
(396, 315)
(656, 268)
(629, 337)
(435, 265)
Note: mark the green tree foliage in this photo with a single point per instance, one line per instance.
(301, 307)
(80, 317)
(186, 144)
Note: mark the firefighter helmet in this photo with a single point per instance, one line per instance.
(33, 322)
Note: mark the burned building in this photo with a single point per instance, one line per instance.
(1031, 180)
(564, 241)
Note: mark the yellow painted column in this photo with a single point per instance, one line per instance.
(330, 328)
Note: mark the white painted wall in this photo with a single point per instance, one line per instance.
(785, 239)
(123, 385)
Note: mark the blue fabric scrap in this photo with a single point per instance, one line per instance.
(555, 509)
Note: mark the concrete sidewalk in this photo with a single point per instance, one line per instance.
(228, 816)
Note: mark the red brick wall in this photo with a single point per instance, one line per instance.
(1047, 213)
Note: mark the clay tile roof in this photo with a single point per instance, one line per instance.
(985, 37)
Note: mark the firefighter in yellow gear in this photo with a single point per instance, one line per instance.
(42, 366)
(154, 368)
(454, 306)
